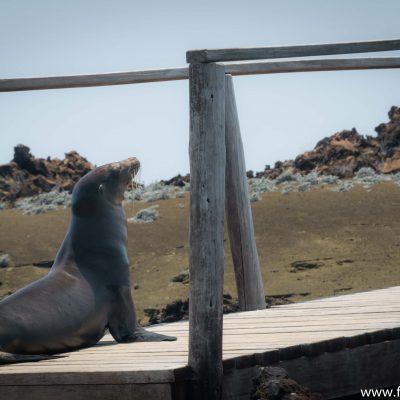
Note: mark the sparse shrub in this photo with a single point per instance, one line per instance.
(261, 185)
(255, 196)
(365, 172)
(396, 178)
(155, 186)
(343, 186)
(44, 202)
(5, 260)
(367, 188)
(368, 177)
(39, 209)
(304, 187)
(134, 195)
(311, 178)
(183, 276)
(328, 179)
(145, 215)
(162, 194)
(286, 190)
(287, 176)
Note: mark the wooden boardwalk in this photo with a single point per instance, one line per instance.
(354, 339)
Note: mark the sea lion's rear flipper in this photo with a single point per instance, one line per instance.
(8, 358)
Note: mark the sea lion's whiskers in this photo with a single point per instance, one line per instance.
(132, 195)
(135, 181)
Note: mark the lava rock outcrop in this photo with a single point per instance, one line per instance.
(27, 176)
(345, 152)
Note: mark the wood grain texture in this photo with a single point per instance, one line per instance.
(335, 374)
(74, 81)
(345, 372)
(295, 333)
(263, 53)
(248, 277)
(86, 392)
(206, 237)
(341, 64)
(235, 69)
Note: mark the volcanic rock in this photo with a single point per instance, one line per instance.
(178, 180)
(28, 176)
(389, 134)
(346, 152)
(305, 265)
(274, 383)
(25, 160)
(179, 309)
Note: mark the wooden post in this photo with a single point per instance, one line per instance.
(206, 238)
(238, 212)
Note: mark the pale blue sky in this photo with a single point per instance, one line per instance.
(280, 115)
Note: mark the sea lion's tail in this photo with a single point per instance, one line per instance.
(8, 358)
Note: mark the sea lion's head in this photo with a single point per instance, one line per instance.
(104, 186)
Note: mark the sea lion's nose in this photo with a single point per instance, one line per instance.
(130, 165)
(134, 165)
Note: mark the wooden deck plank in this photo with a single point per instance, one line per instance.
(324, 321)
(92, 392)
(279, 333)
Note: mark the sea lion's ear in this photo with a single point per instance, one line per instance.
(100, 189)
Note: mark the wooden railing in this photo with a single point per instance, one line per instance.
(308, 50)
(175, 74)
(218, 175)
(216, 156)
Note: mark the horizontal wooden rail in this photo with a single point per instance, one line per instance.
(339, 64)
(74, 81)
(248, 68)
(263, 53)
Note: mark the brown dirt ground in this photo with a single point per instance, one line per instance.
(355, 235)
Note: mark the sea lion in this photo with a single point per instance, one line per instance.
(87, 290)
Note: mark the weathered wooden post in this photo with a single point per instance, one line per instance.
(238, 212)
(206, 238)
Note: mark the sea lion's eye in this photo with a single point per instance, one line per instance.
(101, 189)
(114, 174)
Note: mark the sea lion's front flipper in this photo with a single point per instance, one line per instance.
(8, 358)
(123, 324)
(142, 335)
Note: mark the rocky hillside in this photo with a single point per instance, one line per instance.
(340, 155)
(27, 176)
(346, 152)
